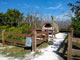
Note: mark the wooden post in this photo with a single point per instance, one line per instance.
(3, 38)
(69, 53)
(47, 36)
(34, 41)
(53, 34)
(72, 31)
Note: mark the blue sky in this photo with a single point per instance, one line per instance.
(46, 7)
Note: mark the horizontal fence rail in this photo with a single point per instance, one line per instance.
(76, 40)
(15, 41)
(1, 34)
(75, 51)
(34, 34)
(18, 34)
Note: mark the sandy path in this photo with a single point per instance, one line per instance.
(48, 53)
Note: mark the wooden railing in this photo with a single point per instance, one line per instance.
(76, 40)
(72, 51)
(0, 38)
(34, 36)
(1, 34)
(4, 40)
(40, 35)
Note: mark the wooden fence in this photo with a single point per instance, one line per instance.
(0, 33)
(34, 34)
(70, 49)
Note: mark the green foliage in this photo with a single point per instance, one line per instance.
(2, 18)
(23, 28)
(76, 20)
(12, 17)
(3, 27)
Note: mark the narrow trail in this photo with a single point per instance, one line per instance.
(48, 53)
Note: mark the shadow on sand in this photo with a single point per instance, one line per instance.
(62, 54)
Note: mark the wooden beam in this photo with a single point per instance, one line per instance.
(39, 42)
(76, 40)
(34, 41)
(18, 34)
(15, 41)
(42, 32)
(75, 51)
(3, 38)
(69, 55)
(47, 35)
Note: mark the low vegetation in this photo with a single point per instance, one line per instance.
(43, 45)
(19, 52)
(37, 53)
(16, 52)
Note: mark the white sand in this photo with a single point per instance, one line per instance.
(48, 53)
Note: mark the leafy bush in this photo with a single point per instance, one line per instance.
(4, 27)
(23, 28)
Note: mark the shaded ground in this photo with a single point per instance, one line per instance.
(62, 51)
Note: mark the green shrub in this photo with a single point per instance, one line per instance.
(4, 27)
(15, 52)
(23, 28)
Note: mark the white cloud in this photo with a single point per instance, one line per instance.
(3, 3)
(64, 16)
(56, 7)
(23, 5)
(37, 7)
(26, 6)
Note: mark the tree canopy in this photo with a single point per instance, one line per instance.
(12, 17)
(75, 8)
